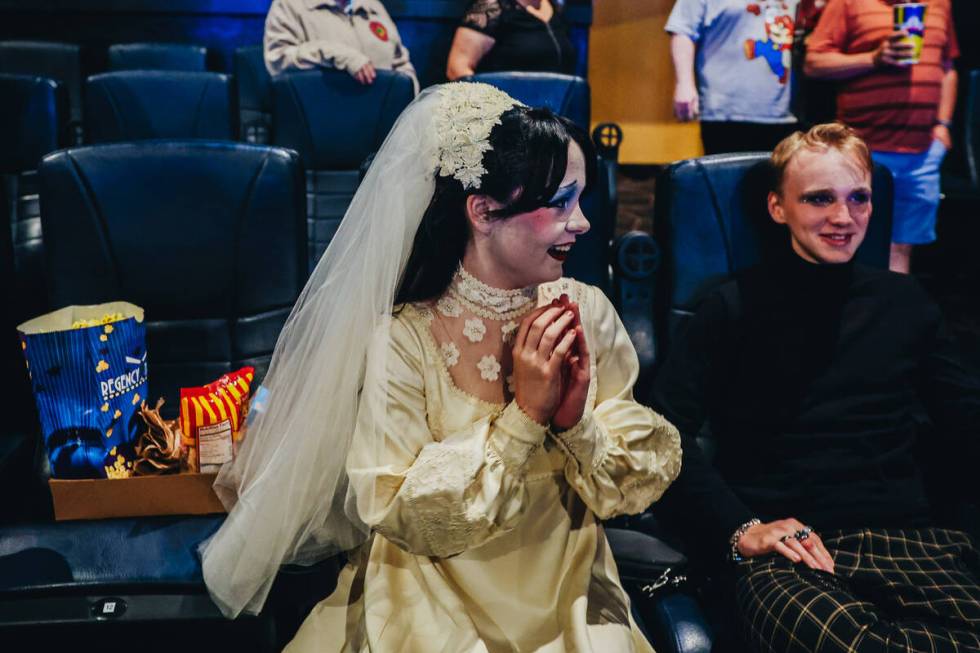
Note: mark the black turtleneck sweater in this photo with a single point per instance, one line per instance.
(816, 382)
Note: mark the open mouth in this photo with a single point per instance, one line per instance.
(837, 240)
(559, 252)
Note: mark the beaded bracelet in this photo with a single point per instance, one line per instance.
(735, 556)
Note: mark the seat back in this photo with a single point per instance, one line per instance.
(31, 115)
(334, 123)
(566, 95)
(209, 238)
(158, 56)
(254, 95)
(61, 62)
(973, 128)
(136, 105)
(711, 220)
(18, 401)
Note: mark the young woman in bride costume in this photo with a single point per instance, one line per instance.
(442, 402)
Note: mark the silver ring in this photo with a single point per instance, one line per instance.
(803, 533)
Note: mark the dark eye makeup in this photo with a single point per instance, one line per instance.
(563, 197)
(826, 198)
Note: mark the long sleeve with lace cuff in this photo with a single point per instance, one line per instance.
(439, 497)
(621, 455)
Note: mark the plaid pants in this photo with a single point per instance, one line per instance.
(893, 590)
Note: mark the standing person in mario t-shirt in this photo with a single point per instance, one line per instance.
(353, 35)
(903, 110)
(733, 64)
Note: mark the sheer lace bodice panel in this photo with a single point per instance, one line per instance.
(473, 326)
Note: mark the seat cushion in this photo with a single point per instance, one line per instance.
(88, 555)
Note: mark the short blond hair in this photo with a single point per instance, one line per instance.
(820, 137)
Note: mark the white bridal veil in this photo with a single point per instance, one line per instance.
(287, 490)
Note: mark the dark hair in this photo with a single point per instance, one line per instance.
(525, 166)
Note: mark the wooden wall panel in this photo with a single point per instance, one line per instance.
(633, 80)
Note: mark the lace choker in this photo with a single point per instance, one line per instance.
(492, 303)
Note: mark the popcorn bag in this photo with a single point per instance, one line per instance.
(87, 366)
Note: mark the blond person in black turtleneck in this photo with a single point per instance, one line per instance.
(816, 377)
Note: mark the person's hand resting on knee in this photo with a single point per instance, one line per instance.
(789, 538)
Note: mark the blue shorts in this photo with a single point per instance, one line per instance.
(916, 192)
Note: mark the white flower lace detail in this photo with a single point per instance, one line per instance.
(450, 352)
(468, 113)
(449, 307)
(475, 329)
(510, 384)
(489, 368)
(508, 331)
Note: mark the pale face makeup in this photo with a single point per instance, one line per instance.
(529, 248)
(825, 201)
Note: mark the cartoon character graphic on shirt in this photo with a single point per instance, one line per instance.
(777, 47)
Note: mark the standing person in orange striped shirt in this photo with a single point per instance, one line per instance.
(903, 110)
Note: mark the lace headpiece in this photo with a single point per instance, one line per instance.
(467, 114)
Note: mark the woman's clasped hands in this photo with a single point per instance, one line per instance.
(551, 365)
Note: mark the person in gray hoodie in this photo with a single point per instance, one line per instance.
(357, 36)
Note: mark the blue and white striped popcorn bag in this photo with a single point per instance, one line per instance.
(87, 366)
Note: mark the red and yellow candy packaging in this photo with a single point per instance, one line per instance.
(212, 419)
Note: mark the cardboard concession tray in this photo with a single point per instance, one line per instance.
(139, 496)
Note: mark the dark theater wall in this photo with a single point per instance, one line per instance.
(426, 26)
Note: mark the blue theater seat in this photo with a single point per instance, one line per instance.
(32, 112)
(334, 123)
(61, 62)
(158, 56)
(254, 95)
(137, 105)
(209, 238)
(711, 221)
(566, 95)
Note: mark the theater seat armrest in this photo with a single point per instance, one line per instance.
(16, 460)
(673, 619)
(678, 625)
(640, 555)
(636, 258)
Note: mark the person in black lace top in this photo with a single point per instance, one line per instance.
(526, 35)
